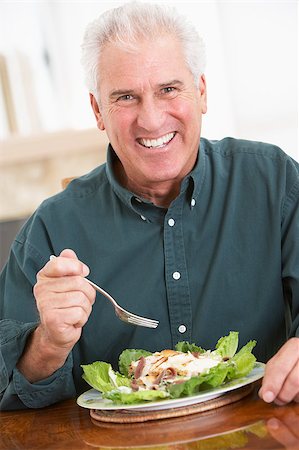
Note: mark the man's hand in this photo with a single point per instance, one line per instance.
(281, 379)
(64, 301)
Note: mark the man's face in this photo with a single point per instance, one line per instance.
(151, 110)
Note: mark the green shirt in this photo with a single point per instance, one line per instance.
(224, 256)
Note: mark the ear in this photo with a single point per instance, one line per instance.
(203, 93)
(97, 112)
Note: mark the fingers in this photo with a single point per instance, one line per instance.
(70, 309)
(71, 283)
(64, 298)
(66, 264)
(281, 379)
(290, 388)
(64, 293)
(61, 298)
(68, 253)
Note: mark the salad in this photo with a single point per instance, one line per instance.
(187, 370)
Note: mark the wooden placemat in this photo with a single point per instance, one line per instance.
(133, 416)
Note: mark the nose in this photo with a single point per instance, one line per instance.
(150, 114)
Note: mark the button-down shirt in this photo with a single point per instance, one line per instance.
(224, 256)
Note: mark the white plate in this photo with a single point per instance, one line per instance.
(92, 399)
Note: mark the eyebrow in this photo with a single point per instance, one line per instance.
(171, 83)
(120, 92)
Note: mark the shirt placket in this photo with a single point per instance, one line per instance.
(176, 275)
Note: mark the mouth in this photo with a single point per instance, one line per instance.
(157, 143)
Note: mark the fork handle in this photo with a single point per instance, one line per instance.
(102, 291)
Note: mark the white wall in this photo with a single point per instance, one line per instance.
(252, 71)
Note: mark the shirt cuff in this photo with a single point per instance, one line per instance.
(16, 391)
(13, 336)
(59, 386)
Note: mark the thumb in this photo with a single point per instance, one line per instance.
(68, 253)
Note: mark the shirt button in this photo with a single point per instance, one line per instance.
(171, 222)
(143, 218)
(182, 328)
(176, 275)
(193, 202)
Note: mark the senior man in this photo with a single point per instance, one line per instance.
(201, 235)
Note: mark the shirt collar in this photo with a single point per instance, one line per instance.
(196, 176)
(125, 195)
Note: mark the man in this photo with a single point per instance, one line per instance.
(201, 235)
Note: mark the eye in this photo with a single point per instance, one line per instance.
(168, 89)
(169, 92)
(125, 98)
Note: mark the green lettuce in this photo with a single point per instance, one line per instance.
(227, 346)
(102, 377)
(129, 398)
(186, 347)
(242, 363)
(234, 365)
(213, 378)
(128, 356)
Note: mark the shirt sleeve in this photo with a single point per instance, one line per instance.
(19, 317)
(290, 252)
(16, 391)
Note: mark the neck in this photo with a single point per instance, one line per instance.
(161, 194)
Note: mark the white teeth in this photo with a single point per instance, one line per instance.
(157, 142)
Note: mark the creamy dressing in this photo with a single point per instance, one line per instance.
(125, 389)
(112, 376)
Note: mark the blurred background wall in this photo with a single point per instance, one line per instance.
(47, 129)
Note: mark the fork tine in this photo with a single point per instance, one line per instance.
(145, 322)
(149, 322)
(142, 319)
(126, 316)
(133, 319)
(141, 323)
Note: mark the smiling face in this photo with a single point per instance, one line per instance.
(151, 110)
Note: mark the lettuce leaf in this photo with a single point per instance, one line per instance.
(102, 377)
(119, 396)
(242, 363)
(129, 355)
(186, 347)
(227, 346)
(213, 378)
(235, 365)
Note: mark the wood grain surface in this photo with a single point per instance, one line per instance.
(245, 424)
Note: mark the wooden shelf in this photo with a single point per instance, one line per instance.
(17, 150)
(31, 168)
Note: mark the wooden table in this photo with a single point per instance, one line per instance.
(246, 424)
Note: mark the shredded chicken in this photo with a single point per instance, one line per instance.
(169, 366)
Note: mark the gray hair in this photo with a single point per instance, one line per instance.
(132, 22)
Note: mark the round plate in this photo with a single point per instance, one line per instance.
(92, 399)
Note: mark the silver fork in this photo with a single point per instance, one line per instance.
(122, 313)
